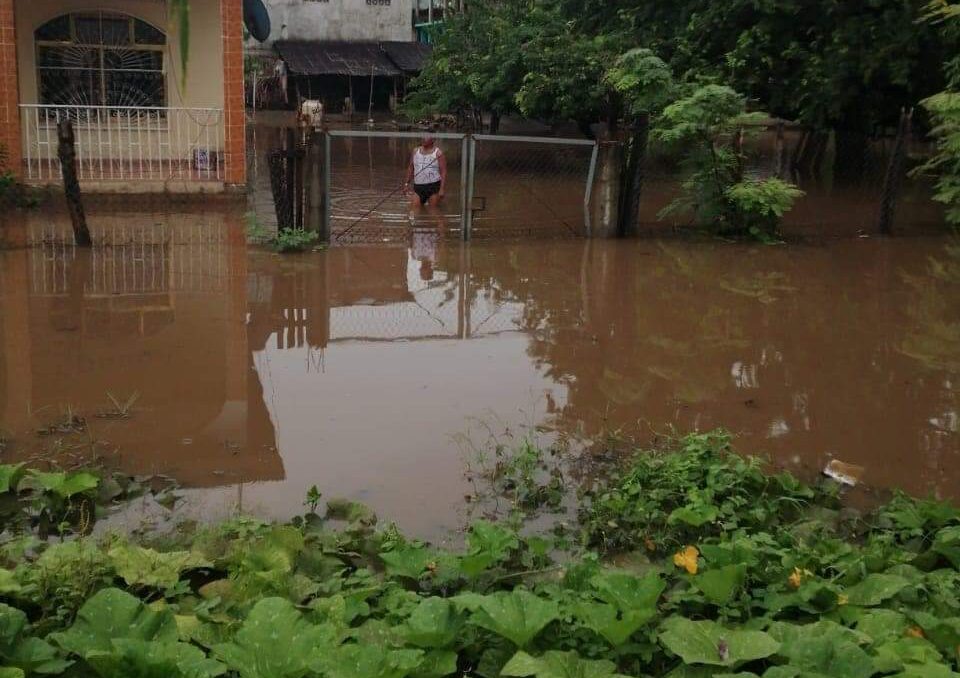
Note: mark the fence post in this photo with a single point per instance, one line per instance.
(464, 205)
(327, 207)
(588, 194)
(71, 185)
(313, 159)
(471, 180)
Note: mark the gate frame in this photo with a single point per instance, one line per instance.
(468, 168)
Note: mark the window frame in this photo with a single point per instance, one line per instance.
(101, 50)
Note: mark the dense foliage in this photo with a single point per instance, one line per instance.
(723, 571)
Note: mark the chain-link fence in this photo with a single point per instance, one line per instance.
(531, 185)
(368, 201)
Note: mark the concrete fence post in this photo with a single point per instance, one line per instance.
(605, 204)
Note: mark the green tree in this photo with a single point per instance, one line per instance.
(705, 124)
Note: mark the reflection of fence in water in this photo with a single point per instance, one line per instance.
(151, 259)
(445, 307)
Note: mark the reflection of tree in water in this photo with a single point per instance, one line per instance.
(934, 336)
(798, 348)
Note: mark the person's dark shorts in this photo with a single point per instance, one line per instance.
(426, 191)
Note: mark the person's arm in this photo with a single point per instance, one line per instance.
(443, 173)
(409, 178)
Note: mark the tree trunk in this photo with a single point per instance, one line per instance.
(634, 176)
(494, 122)
(71, 184)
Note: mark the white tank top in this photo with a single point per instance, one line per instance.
(426, 168)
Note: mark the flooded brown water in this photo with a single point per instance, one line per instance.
(355, 369)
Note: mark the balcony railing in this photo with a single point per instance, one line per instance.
(126, 143)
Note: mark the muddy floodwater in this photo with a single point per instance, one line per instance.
(250, 377)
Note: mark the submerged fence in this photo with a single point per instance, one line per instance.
(495, 185)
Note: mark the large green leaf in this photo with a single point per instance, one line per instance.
(146, 567)
(720, 585)
(824, 647)
(35, 655)
(65, 485)
(947, 544)
(369, 661)
(434, 623)
(927, 671)
(10, 475)
(275, 641)
(558, 665)
(489, 544)
(629, 593)
(706, 642)
(12, 624)
(11, 672)
(518, 615)
(875, 588)
(131, 658)
(9, 582)
(895, 655)
(112, 614)
(407, 561)
(437, 664)
(607, 621)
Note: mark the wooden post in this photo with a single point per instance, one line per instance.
(71, 184)
(892, 180)
(314, 178)
(289, 174)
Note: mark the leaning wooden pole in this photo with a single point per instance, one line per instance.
(67, 153)
(894, 176)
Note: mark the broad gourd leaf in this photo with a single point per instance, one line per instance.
(10, 475)
(825, 648)
(11, 672)
(146, 567)
(28, 654)
(947, 544)
(275, 641)
(720, 585)
(895, 655)
(694, 516)
(518, 615)
(437, 664)
(874, 589)
(605, 620)
(131, 658)
(434, 623)
(113, 614)
(706, 642)
(489, 544)
(407, 561)
(8, 582)
(629, 593)
(62, 484)
(12, 624)
(558, 665)
(927, 671)
(882, 625)
(369, 661)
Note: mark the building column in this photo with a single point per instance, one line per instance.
(235, 135)
(9, 89)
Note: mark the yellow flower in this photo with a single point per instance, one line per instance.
(915, 632)
(687, 559)
(842, 599)
(797, 577)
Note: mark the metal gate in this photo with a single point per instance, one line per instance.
(496, 186)
(365, 181)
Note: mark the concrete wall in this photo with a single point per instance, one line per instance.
(203, 87)
(340, 20)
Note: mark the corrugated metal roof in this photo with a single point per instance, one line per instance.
(336, 58)
(409, 57)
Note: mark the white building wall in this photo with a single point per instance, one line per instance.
(340, 20)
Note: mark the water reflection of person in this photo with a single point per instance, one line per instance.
(423, 248)
(427, 175)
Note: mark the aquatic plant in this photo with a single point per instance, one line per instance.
(730, 572)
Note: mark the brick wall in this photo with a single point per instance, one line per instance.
(9, 88)
(235, 159)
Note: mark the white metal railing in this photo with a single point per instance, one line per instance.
(129, 143)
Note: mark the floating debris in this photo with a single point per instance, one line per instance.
(844, 473)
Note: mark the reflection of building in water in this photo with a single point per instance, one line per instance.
(372, 294)
(159, 311)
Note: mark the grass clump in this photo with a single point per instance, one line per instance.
(749, 575)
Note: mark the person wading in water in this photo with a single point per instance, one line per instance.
(427, 174)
